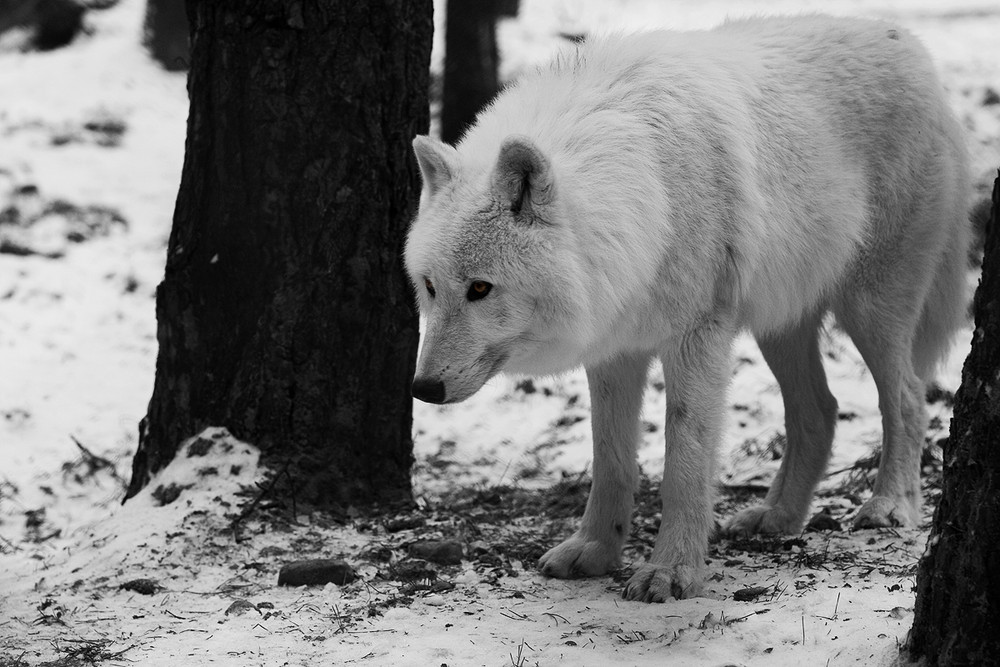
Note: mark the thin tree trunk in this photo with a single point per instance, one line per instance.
(285, 314)
(166, 33)
(470, 62)
(957, 613)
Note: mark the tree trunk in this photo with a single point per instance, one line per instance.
(166, 33)
(957, 615)
(285, 314)
(470, 62)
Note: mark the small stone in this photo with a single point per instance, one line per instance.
(750, 594)
(240, 607)
(404, 523)
(822, 521)
(442, 552)
(141, 586)
(316, 572)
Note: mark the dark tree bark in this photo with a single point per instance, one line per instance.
(285, 314)
(166, 33)
(470, 61)
(957, 615)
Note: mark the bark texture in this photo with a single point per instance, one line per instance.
(285, 314)
(957, 614)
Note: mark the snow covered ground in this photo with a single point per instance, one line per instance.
(91, 144)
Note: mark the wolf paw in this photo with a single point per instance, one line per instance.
(886, 512)
(658, 583)
(765, 519)
(580, 556)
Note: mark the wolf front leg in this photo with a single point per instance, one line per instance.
(616, 391)
(696, 373)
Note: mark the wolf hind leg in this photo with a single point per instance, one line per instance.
(616, 392)
(946, 302)
(883, 334)
(810, 420)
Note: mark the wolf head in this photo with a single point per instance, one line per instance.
(482, 256)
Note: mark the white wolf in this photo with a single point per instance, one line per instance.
(650, 195)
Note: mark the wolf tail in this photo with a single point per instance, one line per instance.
(946, 305)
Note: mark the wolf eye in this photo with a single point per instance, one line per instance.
(477, 290)
(430, 286)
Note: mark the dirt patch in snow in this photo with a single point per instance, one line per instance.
(189, 570)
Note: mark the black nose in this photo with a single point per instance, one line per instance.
(428, 391)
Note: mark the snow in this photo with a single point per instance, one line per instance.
(77, 353)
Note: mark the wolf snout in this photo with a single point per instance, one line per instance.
(428, 391)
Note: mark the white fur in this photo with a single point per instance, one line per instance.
(650, 195)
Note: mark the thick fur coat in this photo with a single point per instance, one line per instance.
(647, 197)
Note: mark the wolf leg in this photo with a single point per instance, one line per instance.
(883, 338)
(810, 420)
(696, 372)
(616, 390)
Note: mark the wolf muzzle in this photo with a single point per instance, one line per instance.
(428, 391)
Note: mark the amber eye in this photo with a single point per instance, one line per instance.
(430, 286)
(478, 289)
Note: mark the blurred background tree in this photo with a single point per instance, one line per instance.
(165, 33)
(471, 61)
(48, 24)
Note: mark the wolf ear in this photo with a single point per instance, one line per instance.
(438, 162)
(522, 177)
